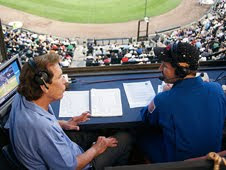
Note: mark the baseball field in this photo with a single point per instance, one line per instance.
(93, 11)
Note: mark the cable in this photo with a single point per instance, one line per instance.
(219, 77)
(112, 80)
(121, 79)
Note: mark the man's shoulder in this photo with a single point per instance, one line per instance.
(162, 96)
(27, 115)
(214, 87)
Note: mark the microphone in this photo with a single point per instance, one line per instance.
(202, 74)
(161, 78)
(71, 81)
(44, 83)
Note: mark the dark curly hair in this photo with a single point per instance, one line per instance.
(187, 53)
(179, 52)
(28, 87)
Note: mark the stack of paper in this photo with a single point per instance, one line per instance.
(106, 102)
(139, 94)
(100, 102)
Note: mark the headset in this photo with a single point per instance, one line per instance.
(40, 77)
(180, 71)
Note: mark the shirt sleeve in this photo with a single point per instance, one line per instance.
(144, 113)
(150, 117)
(153, 117)
(57, 151)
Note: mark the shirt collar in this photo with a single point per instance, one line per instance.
(189, 82)
(39, 110)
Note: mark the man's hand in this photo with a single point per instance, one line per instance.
(72, 124)
(167, 87)
(151, 106)
(82, 118)
(103, 143)
(99, 147)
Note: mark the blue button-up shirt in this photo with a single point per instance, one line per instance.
(191, 116)
(37, 139)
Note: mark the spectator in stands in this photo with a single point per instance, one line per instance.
(139, 50)
(38, 139)
(114, 58)
(125, 59)
(90, 49)
(190, 115)
(107, 60)
(64, 63)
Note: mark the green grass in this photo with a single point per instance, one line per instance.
(92, 11)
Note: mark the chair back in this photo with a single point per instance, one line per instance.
(9, 155)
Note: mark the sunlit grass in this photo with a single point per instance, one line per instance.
(92, 11)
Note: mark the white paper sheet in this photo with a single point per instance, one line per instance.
(106, 102)
(74, 103)
(139, 94)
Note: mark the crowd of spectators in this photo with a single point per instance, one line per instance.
(27, 44)
(208, 35)
(132, 53)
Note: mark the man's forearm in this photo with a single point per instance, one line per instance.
(85, 158)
